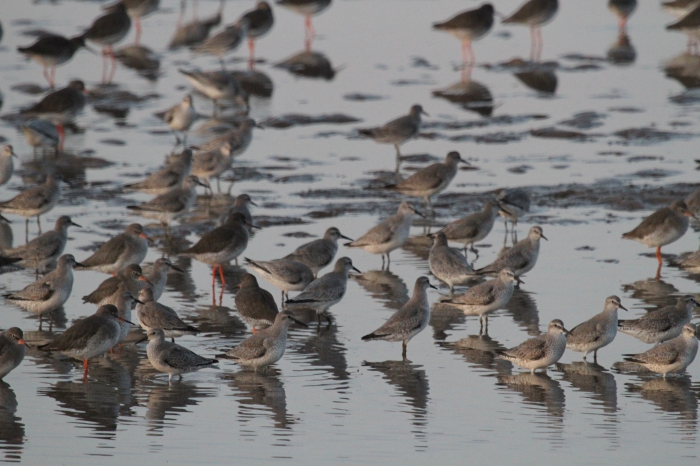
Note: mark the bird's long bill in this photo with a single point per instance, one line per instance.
(206, 185)
(566, 332)
(80, 265)
(141, 340)
(345, 237)
(90, 49)
(253, 203)
(356, 269)
(418, 213)
(147, 238)
(519, 280)
(299, 322)
(144, 279)
(124, 320)
(544, 237)
(423, 112)
(4, 219)
(622, 307)
(258, 125)
(432, 286)
(250, 225)
(176, 268)
(138, 301)
(22, 342)
(75, 224)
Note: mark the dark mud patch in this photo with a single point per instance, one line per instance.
(361, 97)
(501, 120)
(307, 178)
(626, 110)
(28, 88)
(298, 234)
(644, 158)
(650, 135)
(555, 133)
(296, 119)
(584, 120)
(520, 169)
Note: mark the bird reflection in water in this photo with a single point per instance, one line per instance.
(165, 401)
(140, 59)
(541, 390)
(469, 94)
(594, 379)
(383, 286)
(443, 318)
(11, 428)
(322, 350)
(622, 52)
(539, 78)
(654, 292)
(255, 391)
(309, 64)
(412, 384)
(479, 350)
(523, 308)
(674, 395)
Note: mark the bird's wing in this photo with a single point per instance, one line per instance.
(532, 349)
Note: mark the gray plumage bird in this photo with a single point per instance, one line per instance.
(172, 204)
(539, 352)
(513, 203)
(660, 325)
(265, 347)
(159, 276)
(210, 164)
(169, 177)
(238, 138)
(448, 264)
(34, 201)
(671, 356)
(240, 205)
(431, 180)
(318, 253)
(398, 131)
(663, 227)
(217, 85)
(180, 117)
(522, 257)
(152, 315)
(224, 42)
(535, 14)
(408, 321)
(326, 291)
(48, 293)
(255, 305)
(596, 332)
(133, 279)
(89, 337)
(41, 134)
(172, 358)
(485, 298)
(119, 252)
(12, 350)
(260, 21)
(474, 227)
(469, 26)
(196, 31)
(287, 275)
(43, 251)
(124, 301)
(389, 235)
(7, 165)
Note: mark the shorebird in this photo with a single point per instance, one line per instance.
(287, 275)
(51, 51)
(152, 315)
(240, 205)
(485, 298)
(522, 257)
(318, 253)
(623, 9)
(238, 138)
(260, 21)
(221, 245)
(48, 293)
(172, 358)
(119, 252)
(131, 277)
(255, 305)
(7, 166)
(660, 325)
(391, 234)
(106, 31)
(689, 24)
(663, 227)
(7, 264)
(171, 176)
(535, 14)
(326, 291)
(679, 8)
(43, 251)
(89, 337)
(306, 8)
(172, 204)
(430, 180)
(265, 347)
(124, 301)
(34, 201)
(539, 352)
(213, 163)
(692, 202)
(672, 356)
(12, 350)
(217, 85)
(397, 131)
(469, 26)
(180, 117)
(159, 276)
(448, 264)
(41, 134)
(408, 321)
(60, 107)
(513, 203)
(474, 227)
(596, 332)
(195, 32)
(225, 41)
(137, 9)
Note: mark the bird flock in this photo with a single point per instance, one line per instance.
(175, 185)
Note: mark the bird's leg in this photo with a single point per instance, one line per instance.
(85, 367)
(38, 222)
(595, 356)
(658, 273)
(388, 261)
(472, 57)
(223, 65)
(310, 31)
(382, 259)
(486, 327)
(398, 153)
(218, 185)
(533, 39)
(221, 275)
(213, 275)
(255, 330)
(403, 352)
(251, 50)
(48, 77)
(540, 43)
(658, 255)
(481, 324)
(41, 319)
(465, 44)
(137, 24)
(53, 76)
(26, 230)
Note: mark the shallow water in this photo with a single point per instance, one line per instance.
(610, 144)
